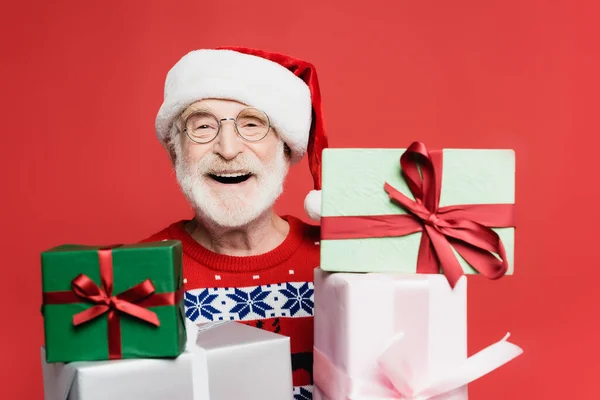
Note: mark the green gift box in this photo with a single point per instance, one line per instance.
(123, 301)
(378, 204)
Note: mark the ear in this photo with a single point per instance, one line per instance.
(169, 147)
(288, 151)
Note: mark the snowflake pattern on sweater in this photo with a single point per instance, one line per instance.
(289, 299)
(303, 392)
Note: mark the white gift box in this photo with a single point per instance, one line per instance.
(222, 361)
(395, 336)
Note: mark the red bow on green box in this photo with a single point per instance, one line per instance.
(132, 303)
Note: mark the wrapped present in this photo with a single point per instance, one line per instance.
(148, 379)
(221, 361)
(395, 336)
(123, 301)
(415, 210)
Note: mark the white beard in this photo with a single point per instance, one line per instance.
(229, 208)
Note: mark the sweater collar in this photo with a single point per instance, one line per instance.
(227, 263)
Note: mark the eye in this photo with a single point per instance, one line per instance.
(247, 122)
(202, 122)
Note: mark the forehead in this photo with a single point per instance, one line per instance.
(220, 107)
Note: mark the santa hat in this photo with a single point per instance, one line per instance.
(286, 88)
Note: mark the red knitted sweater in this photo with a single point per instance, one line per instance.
(272, 291)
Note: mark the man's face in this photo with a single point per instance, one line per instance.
(230, 181)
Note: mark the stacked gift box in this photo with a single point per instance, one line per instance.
(115, 329)
(400, 231)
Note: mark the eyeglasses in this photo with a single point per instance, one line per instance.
(251, 124)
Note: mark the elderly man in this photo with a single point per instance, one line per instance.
(233, 121)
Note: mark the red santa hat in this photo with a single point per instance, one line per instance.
(284, 87)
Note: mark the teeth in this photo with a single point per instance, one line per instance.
(232, 175)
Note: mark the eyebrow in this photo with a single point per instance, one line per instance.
(192, 110)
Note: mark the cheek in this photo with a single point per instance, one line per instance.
(194, 152)
(266, 151)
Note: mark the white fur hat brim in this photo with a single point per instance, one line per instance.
(248, 79)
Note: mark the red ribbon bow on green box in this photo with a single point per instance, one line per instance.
(466, 228)
(132, 301)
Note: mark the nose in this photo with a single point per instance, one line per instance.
(228, 144)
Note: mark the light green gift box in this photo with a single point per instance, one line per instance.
(352, 185)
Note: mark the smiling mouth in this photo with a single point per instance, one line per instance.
(230, 178)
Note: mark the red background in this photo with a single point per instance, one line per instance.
(82, 81)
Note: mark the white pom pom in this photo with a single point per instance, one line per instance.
(312, 204)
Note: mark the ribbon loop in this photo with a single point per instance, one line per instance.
(87, 289)
(138, 292)
(400, 382)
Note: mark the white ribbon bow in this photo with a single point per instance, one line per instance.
(404, 385)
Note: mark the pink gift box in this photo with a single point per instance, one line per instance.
(395, 336)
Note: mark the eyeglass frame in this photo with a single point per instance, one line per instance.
(219, 120)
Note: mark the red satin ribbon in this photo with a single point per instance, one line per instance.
(133, 301)
(466, 228)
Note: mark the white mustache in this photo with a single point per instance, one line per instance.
(213, 164)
